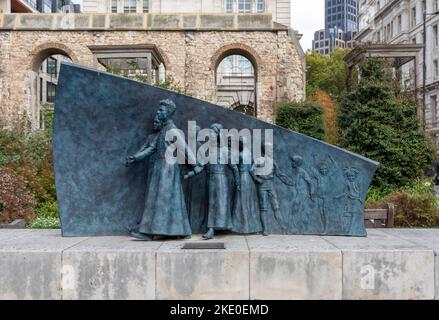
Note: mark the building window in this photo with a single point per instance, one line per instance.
(435, 36)
(245, 6)
(434, 111)
(50, 90)
(145, 7)
(229, 6)
(261, 6)
(413, 23)
(113, 6)
(435, 5)
(244, 66)
(436, 68)
(41, 89)
(399, 24)
(51, 66)
(129, 6)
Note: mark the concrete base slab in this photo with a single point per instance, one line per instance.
(203, 273)
(109, 268)
(388, 264)
(383, 266)
(425, 237)
(294, 267)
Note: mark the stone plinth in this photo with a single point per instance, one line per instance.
(388, 264)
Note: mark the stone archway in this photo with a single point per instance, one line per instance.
(37, 57)
(45, 50)
(236, 67)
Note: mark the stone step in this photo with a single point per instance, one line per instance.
(388, 264)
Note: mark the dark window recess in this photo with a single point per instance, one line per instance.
(51, 89)
(51, 66)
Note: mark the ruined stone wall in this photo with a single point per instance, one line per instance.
(191, 56)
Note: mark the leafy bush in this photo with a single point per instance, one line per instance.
(414, 207)
(16, 202)
(27, 187)
(303, 117)
(380, 122)
(47, 210)
(326, 73)
(328, 105)
(45, 223)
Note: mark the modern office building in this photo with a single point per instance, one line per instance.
(326, 41)
(401, 22)
(280, 9)
(341, 14)
(341, 27)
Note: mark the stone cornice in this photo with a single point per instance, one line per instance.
(139, 22)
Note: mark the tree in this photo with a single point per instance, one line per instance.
(379, 121)
(328, 105)
(325, 73)
(303, 117)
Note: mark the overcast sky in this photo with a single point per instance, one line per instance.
(307, 17)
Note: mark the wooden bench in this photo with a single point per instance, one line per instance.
(380, 218)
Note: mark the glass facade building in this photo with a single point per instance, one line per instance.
(341, 14)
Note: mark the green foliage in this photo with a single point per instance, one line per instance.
(47, 112)
(45, 223)
(415, 206)
(169, 83)
(327, 74)
(48, 209)
(303, 117)
(16, 202)
(28, 185)
(380, 122)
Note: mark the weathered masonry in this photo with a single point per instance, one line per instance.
(191, 47)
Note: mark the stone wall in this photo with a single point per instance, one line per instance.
(191, 45)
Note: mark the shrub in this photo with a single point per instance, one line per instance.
(328, 105)
(27, 182)
(16, 202)
(326, 73)
(45, 223)
(47, 210)
(414, 207)
(380, 122)
(303, 117)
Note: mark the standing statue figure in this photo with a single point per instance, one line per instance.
(165, 212)
(303, 192)
(245, 206)
(323, 173)
(266, 193)
(197, 198)
(218, 192)
(353, 207)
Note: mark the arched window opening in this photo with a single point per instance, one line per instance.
(46, 83)
(236, 84)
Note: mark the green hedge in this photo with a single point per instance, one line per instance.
(379, 121)
(303, 117)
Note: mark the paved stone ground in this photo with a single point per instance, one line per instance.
(388, 264)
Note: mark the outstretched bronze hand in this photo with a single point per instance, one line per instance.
(129, 160)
